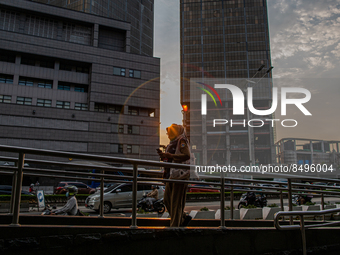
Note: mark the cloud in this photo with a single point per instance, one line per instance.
(305, 35)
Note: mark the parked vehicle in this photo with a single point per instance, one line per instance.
(333, 184)
(250, 198)
(301, 199)
(119, 195)
(82, 188)
(7, 190)
(158, 205)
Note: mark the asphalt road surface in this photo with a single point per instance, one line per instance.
(190, 206)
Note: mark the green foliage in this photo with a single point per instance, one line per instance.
(204, 209)
(310, 203)
(294, 204)
(249, 206)
(273, 205)
(141, 211)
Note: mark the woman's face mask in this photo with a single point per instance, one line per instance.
(67, 194)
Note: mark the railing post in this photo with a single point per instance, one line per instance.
(290, 203)
(101, 206)
(18, 187)
(134, 197)
(222, 200)
(14, 184)
(281, 201)
(232, 201)
(323, 206)
(303, 235)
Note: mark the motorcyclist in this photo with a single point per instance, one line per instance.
(152, 197)
(71, 207)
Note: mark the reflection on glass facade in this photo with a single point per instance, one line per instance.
(137, 12)
(225, 39)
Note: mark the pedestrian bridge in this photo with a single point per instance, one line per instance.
(86, 235)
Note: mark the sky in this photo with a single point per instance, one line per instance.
(305, 52)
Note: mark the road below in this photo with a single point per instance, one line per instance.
(213, 205)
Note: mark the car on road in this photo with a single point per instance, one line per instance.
(202, 188)
(119, 195)
(82, 187)
(7, 190)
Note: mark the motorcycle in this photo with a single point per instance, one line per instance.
(301, 199)
(48, 210)
(158, 205)
(250, 198)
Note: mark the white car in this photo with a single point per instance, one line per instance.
(119, 196)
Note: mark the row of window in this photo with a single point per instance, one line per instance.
(34, 60)
(84, 107)
(32, 82)
(131, 129)
(130, 149)
(136, 111)
(48, 103)
(120, 71)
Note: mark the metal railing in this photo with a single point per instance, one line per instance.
(302, 225)
(76, 171)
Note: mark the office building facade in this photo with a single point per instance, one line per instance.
(225, 40)
(65, 87)
(139, 13)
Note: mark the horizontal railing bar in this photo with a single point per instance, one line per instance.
(98, 167)
(10, 159)
(301, 214)
(90, 157)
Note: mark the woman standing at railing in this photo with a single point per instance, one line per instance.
(177, 151)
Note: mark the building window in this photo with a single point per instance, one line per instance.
(24, 100)
(151, 113)
(4, 78)
(133, 110)
(120, 148)
(44, 102)
(30, 61)
(46, 64)
(80, 106)
(134, 74)
(132, 149)
(133, 130)
(65, 67)
(63, 104)
(117, 148)
(121, 129)
(99, 107)
(7, 57)
(80, 88)
(81, 69)
(115, 108)
(5, 99)
(119, 71)
(64, 87)
(26, 81)
(45, 84)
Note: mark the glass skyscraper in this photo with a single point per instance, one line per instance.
(226, 39)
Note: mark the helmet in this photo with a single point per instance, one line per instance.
(32, 185)
(72, 190)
